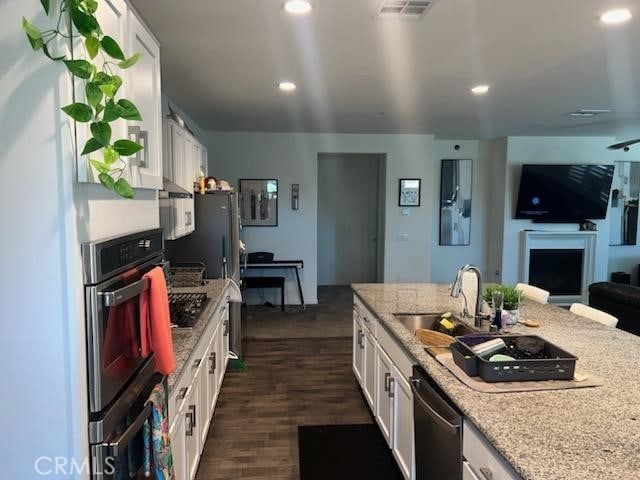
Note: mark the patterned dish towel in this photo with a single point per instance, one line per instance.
(157, 444)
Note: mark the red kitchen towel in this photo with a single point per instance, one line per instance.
(155, 323)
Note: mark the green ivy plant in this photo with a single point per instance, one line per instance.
(100, 107)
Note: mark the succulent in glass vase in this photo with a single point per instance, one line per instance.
(511, 304)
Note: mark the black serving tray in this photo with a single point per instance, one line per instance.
(557, 364)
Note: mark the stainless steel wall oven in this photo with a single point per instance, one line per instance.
(119, 378)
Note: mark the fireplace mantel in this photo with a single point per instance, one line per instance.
(558, 240)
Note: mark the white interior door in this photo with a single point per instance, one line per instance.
(347, 218)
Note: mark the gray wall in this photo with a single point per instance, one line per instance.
(292, 158)
(446, 260)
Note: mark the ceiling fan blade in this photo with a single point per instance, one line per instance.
(618, 146)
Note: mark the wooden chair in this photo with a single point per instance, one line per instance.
(594, 314)
(533, 293)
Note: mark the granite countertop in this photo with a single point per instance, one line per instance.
(577, 434)
(185, 339)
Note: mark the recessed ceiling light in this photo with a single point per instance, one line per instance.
(297, 6)
(287, 86)
(480, 89)
(618, 15)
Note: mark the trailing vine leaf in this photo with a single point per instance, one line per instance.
(116, 82)
(101, 85)
(111, 47)
(80, 112)
(106, 180)
(91, 146)
(108, 89)
(128, 110)
(92, 44)
(80, 68)
(98, 165)
(93, 93)
(123, 188)
(101, 132)
(111, 112)
(33, 34)
(45, 50)
(126, 147)
(130, 62)
(111, 156)
(92, 5)
(86, 24)
(101, 78)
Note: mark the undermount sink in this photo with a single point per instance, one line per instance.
(431, 321)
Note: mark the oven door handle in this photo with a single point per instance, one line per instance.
(116, 297)
(118, 446)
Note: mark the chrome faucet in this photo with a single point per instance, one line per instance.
(456, 289)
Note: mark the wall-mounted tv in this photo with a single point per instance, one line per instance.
(564, 193)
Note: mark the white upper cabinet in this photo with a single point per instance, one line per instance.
(182, 160)
(144, 89)
(141, 85)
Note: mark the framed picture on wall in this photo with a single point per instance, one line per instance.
(409, 192)
(259, 202)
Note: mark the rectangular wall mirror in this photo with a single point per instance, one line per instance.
(625, 190)
(455, 202)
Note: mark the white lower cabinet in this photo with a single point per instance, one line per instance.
(481, 458)
(468, 473)
(403, 441)
(192, 437)
(381, 370)
(358, 348)
(178, 446)
(193, 398)
(384, 395)
(369, 377)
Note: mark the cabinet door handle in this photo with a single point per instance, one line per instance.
(212, 359)
(189, 419)
(387, 376)
(360, 335)
(142, 137)
(486, 473)
(187, 219)
(193, 413)
(226, 328)
(391, 382)
(182, 393)
(197, 363)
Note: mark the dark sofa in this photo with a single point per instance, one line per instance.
(621, 301)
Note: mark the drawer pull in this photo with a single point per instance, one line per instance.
(486, 473)
(391, 391)
(387, 376)
(212, 359)
(182, 393)
(197, 363)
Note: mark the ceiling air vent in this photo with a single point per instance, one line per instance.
(404, 10)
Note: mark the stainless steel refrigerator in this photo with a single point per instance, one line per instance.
(216, 243)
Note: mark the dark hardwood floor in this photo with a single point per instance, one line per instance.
(289, 382)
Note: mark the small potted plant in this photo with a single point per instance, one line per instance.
(512, 300)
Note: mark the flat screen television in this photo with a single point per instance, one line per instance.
(564, 193)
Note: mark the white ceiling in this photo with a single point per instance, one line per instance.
(355, 73)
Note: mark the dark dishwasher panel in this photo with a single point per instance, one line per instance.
(438, 431)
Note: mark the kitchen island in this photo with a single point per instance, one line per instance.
(577, 434)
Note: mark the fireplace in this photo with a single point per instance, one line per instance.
(559, 271)
(561, 262)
